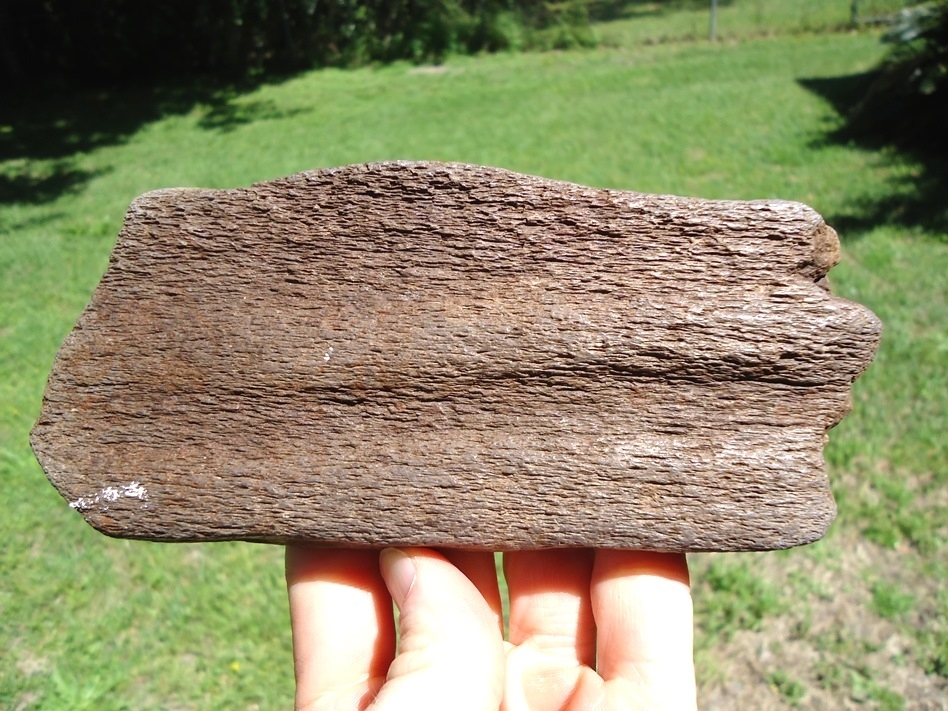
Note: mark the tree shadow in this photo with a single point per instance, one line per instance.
(35, 184)
(225, 113)
(916, 199)
(44, 133)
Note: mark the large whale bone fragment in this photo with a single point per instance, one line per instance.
(452, 355)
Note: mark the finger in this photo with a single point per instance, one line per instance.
(643, 610)
(480, 569)
(343, 630)
(549, 601)
(451, 653)
(551, 626)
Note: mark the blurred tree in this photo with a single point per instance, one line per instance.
(106, 41)
(908, 101)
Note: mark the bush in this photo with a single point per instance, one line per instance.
(907, 104)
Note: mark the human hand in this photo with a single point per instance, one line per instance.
(589, 629)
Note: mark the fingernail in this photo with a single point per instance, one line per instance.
(398, 570)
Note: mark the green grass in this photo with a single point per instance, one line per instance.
(790, 689)
(89, 622)
(894, 442)
(890, 600)
(736, 599)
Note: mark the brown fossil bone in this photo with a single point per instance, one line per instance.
(453, 355)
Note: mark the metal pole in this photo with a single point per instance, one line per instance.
(713, 31)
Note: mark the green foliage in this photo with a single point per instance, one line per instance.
(907, 103)
(559, 25)
(920, 39)
(100, 41)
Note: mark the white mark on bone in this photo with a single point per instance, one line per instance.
(132, 490)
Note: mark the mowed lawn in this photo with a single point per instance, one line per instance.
(858, 620)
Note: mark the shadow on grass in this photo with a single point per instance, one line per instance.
(224, 114)
(37, 183)
(44, 134)
(917, 199)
